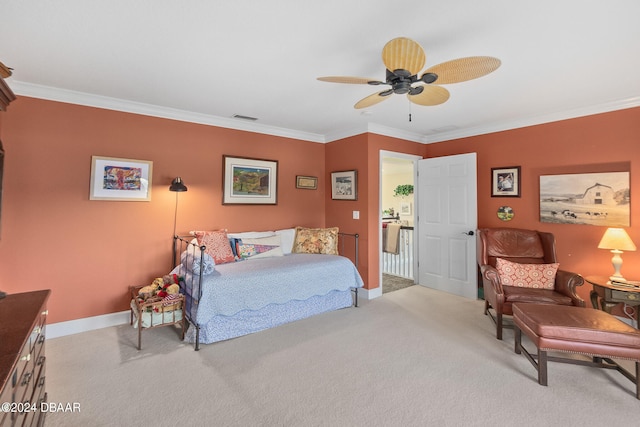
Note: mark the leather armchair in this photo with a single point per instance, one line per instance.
(524, 247)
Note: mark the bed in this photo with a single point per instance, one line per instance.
(240, 283)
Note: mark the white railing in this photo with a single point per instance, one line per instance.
(400, 264)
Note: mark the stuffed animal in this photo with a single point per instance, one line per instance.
(160, 287)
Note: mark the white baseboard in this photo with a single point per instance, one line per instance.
(61, 329)
(370, 293)
(70, 327)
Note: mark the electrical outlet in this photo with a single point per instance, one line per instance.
(356, 214)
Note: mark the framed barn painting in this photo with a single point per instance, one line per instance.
(587, 198)
(248, 181)
(120, 179)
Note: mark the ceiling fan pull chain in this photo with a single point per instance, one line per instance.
(409, 111)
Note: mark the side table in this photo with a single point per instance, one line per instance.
(155, 312)
(605, 296)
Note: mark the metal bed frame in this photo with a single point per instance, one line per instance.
(184, 244)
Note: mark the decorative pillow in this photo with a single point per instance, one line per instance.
(191, 261)
(217, 244)
(316, 241)
(287, 236)
(263, 247)
(541, 276)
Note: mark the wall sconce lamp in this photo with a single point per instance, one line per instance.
(617, 240)
(177, 186)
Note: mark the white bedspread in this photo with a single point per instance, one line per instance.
(254, 284)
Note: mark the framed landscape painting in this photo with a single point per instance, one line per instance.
(586, 198)
(249, 181)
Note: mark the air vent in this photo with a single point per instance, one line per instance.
(240, 116)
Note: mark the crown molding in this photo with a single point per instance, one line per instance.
(90, 100)
(534, 120)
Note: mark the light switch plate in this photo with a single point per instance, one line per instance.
(356, 214)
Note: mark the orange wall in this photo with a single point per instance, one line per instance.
(600, 143)
(362, 153)
(89, 252)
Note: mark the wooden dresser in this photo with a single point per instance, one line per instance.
(22, 358)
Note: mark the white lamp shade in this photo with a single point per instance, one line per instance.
(616, 238)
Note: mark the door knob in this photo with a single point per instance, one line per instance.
(468, 233)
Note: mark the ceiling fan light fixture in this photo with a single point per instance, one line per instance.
(429, 77)
(403, 59)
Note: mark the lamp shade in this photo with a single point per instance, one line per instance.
(616, 238)
(177, 185)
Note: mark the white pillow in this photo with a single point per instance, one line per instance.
(251, 234)
(287, 237)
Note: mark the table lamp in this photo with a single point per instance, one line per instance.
(617, 240)
(177, 186)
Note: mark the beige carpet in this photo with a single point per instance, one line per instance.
(414, 357)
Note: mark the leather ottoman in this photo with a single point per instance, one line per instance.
(576, 330)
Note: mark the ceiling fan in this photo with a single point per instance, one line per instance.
(404, 58)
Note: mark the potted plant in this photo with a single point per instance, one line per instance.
(403, 190)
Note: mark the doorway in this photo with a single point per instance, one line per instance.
(397, 213)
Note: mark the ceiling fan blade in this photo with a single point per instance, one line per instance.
(403, 54)
(431, 95)
(373, 99)
(350, 80)
(463, 69)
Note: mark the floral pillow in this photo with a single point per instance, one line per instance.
(217, 244)
(540, 276)
(316, 241)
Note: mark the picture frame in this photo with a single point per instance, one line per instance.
(505, 181)
(249, 181)
(344, 185)
(307, 182)
(405, 208)
(119, 179)
(596, 198)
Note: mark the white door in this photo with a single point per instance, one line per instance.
(447, 222)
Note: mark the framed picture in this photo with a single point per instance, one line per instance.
(405, 208)
(505, 182)
(307, 182)
(120, 179)
(602, 199)
(248, 181)
(344, 185)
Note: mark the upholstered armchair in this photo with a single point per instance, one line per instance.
(521, 247)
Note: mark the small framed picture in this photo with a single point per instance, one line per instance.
(120, 179)
(249, 181)
(344, 185)
(405, 208)
(307, 182)
(505, 182)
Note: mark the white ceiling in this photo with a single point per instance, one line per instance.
(205, 61)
